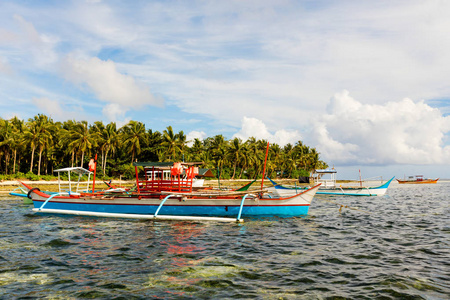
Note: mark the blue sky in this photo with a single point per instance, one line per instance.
(365, 82)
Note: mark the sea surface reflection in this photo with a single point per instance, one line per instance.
(391, 247)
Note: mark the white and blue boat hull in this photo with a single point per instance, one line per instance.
(177, 204)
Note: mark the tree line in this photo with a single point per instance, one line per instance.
(40, 145)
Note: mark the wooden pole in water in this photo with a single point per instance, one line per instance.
(360, 179)
(264, 170)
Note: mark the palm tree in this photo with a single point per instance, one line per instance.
(18, 142)
(275, 155)
(217, 146)
(66, 139)
(98, 135)
(81, 139)
(196, 150)
(288, 164)
(45, 138)
(133, 135)
(31, 136)
(235, 151)
(181, 140)
(171, 142)
(111, 137)
(153, 149)
(6, 140)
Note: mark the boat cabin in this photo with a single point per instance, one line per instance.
(166, 176)
(326, 177)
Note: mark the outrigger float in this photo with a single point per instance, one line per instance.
(158, 197)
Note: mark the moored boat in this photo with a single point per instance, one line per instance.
(329, 186)
(157, 197)
(417, 179)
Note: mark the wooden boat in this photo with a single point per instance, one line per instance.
(418, 179)
(329, 187)
(157, 197)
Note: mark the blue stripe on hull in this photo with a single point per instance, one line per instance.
(185, 210)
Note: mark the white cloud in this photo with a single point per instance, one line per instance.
(51, 107)
(57, 111)
(108, 84)
(115, 113)
(252, 127)
(40, 46)
(191, 136)
(402, 132)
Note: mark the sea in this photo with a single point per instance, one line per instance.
(395, 246)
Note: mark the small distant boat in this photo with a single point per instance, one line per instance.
(418, 179)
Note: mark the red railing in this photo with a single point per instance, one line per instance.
(159, 180)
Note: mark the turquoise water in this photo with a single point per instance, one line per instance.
(391, 247)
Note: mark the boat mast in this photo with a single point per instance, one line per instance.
(264, 170)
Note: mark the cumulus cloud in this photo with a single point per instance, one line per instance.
(41, 46)
(115, 113)
(403, 132)
(252, 127)
(107, 83)
(55, 110)
(191, 136)
(51, 107)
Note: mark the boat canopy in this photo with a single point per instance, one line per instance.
(167, 165)
(329, 181)
(162, 164)
(78, 170)
(325, 171)
(72, 186)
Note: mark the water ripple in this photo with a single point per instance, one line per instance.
(391, 247)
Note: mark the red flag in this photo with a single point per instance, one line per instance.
(92, 165)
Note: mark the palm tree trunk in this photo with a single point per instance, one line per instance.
(104, 165)
(40, 156)
(82, 158)
(15, 157)
(32, 159)
(240, 174)
(7, 162)
(102, 161)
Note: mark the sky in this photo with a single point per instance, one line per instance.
(366, 83)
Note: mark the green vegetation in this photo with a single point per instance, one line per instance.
(33, 149)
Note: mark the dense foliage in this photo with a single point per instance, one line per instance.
(35, 148)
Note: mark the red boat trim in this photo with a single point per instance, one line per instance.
(193, 205)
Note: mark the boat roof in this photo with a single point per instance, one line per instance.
(325, 171)
(166, 166)
(162, 164)
(78, 170)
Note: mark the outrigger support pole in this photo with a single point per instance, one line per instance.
(162, 203)
(48, 199)
(240, 208)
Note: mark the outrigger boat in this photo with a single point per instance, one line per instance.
(329, 187)
(418, 179)
(158, 197)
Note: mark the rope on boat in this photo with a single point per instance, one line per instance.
(219, 193)
(341, 206)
